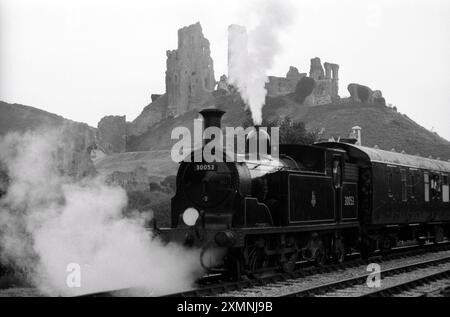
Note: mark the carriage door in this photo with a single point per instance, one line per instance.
(336, 171)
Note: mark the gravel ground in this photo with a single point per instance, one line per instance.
(277, 289)
(20, 292)
(389, 281)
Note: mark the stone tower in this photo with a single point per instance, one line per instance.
(190, 71)
(316, 70)
(326, 87)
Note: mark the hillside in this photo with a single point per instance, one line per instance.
(20, 118)
(158, 163)
(381, 125)
(73, 155)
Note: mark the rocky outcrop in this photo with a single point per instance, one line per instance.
(112, 133)
(155, 97)
(284, 85)
(190, 71)
(73, 155)
(75, 138)
(364, 94)
(151, 114)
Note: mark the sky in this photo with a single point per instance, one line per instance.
(84, 59)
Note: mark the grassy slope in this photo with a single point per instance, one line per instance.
(380, 125)
(20, 118)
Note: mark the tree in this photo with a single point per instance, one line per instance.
(291, 132)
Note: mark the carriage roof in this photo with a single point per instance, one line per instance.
(390, 157)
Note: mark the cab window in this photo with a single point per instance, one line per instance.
(337, 173)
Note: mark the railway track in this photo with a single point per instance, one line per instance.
(393, 278)
(283, 280)
(214, 286)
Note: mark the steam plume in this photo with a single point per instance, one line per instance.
(48, 221)
(249, 58)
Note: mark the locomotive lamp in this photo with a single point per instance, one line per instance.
(190, 216)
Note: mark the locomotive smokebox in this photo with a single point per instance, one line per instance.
(211, 118)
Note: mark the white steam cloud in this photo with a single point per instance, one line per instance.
(250, 57)
(48, 221)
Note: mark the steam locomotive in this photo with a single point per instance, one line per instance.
(316, 203)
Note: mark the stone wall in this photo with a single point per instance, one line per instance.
(190, 71)
(112, 133)
(326, 87)
(284, 85)
(136, 180)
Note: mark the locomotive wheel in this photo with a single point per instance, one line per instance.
(288, 266)
(321, 256)
(438, 234)
(340, 254)
(255, 257)
(339, 250)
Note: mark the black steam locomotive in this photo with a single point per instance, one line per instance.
(317, 203)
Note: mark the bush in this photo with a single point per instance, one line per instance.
(291, 132)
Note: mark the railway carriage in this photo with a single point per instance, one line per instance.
(408, 196)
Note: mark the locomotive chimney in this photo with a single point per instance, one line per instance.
(211, 118)
(257, 143)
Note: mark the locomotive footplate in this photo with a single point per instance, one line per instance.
(195, 236)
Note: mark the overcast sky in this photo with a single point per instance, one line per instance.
(84, 59)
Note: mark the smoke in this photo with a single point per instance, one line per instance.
(249, 58)
(50, 223)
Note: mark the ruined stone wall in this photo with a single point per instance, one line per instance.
(136, 180)
(326, 89)
(73, 155)
(316, 70)
(190, 71)
(284, 85)
(112, 133)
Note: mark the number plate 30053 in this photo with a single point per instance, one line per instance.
(205, 167)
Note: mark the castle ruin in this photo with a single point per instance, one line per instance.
(324, 90)
(284, 85)
(111, 134)
(190, 71)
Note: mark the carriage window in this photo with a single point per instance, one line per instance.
(426, 181)
(404, 188)
(435, 184)
(389, 181)
(337, 173)
(413, 184)
(445, 190)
